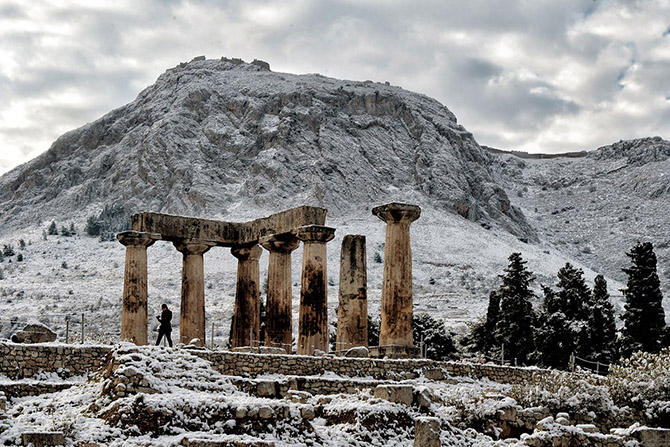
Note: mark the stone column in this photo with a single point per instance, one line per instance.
(135, 295)
(278, 323)
(246, 317)
(352, 314)
(313, 322)
(397, 305)
(192, 319)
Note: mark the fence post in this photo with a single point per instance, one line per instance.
(502, 354)
(82, 328)
(572, 362)
(212, 336)
(422, 348)
(597, 367)
(67, 329)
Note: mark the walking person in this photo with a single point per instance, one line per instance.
(165, 328)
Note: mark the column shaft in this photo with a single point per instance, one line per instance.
(279, 309)
(135, 294)
(397, 303)
(192, 318)
(246, 318)
(352, 314)
(313, 322)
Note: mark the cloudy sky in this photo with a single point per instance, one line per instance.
(534, 75)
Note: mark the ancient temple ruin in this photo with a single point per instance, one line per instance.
(280, 234)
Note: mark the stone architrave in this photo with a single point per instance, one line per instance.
(352, 314)
(313, 322)
(278, 324)
(397, 303)
(192, 318)
(135, 294)
(246, 317)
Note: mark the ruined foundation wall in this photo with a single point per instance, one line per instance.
(20, 361)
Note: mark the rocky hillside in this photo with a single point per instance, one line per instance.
(596, 206)
(213, 136)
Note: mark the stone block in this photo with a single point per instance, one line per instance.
(402, 394)
(427, 432)
(34, 333)
(357, 352)
(434, 373)
(266, 389)
(652, 437)
(43, 439)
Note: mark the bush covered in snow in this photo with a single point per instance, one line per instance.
(643, 382)
(565, 392)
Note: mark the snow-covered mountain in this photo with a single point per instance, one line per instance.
(230, 140)
(214, 136)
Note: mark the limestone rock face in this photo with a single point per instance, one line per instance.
(211, 135)
(34, 333)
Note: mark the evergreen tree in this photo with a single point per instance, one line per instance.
(439, 345)
(602, 325)
(514, 327)
(53, 230)
(643, 317)
(482, 337)
(373, 331)
(574, 300)
(8, 250)
(554, 339)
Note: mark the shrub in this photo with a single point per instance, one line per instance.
(8, 250)
(53, 230)
(643, 382)
(564, 392)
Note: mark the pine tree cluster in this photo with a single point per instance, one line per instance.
(572, 319)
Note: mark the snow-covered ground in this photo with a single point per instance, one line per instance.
(455, 265)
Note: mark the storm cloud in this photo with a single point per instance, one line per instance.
(540, 76)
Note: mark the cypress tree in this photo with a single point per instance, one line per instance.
(555, 340)
(602, 325)
(515, 322)
(643, 317)
(574, 300)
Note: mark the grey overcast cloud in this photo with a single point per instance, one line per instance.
(532, 75)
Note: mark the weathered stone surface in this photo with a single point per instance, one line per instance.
(427, 432)
(313, 323)
(357, 352)
(34, 333)
(266, 389)
(402, 394)
(352, 313)
(653, 437)
(246, 317)
(279, 324)
(192, 318)
(42, 439)
(397, 302)
(227, 234)
(134, 311)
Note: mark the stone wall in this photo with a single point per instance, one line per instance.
(18, 361)
(252, 365)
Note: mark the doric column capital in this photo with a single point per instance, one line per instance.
(282, 243)
(137, 239)
(247, 252)
(397, 212)
(315, 234)
(193, 246)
